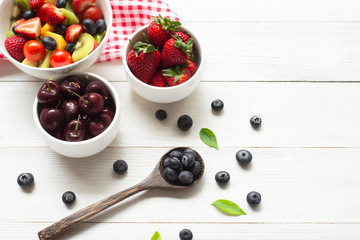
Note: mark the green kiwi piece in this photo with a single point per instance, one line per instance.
(22, 4)
(83, 47)
(45, 62)
(16, 12)
(99, 37)
(69, 5)
(9, 33)
(70, 17)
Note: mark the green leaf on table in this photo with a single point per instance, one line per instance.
(228, 207)
(209, 138)
(156, 236)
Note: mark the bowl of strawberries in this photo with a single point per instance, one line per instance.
(163, 61)
(46, 38)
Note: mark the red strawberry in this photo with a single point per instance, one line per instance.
(161, 29)
(176, 52)
(158, 80)
(35, 3)
(29, 28)
(191, 68)
(143, 61)
(14, 45)
(183, 36)
(176, 75)
(73, 32)
(80, 5)
(53, 15)
(41, 10)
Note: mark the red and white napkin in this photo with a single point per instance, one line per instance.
(129, 15)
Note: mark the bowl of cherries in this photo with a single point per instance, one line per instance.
(77, 113)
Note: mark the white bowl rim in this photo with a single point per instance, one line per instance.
(115, 119)
(127, 69)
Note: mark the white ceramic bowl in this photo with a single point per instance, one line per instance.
(93, 145)
(166, 94)
(46, 73)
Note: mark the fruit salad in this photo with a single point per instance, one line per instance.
(165, 57)
(54, 33)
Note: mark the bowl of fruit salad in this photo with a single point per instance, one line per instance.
(163, 61)
(46, 38)
(77, 113)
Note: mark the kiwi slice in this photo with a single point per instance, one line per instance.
(99, 37)
(45, 62)
(16, 12)
(70, 17)
(30, 63)
(69, 5)
(22, 4)
(9, 33)
(83, 47)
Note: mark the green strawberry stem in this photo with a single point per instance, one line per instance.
(84, 100)
(167, 23)
(185, 47)
(77, 123)
(143, 47)
(175, 72)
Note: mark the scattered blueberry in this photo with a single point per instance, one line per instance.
(89, 26)
(217, 105)
(49, 43)
(196, 169)
(187, 160)
(120, 166)
(68, 197)
(176, 154)
(185, 234)
(25, 180)
(185, 177)
(244, 157)
(222, 177)
(61, 29)
(255, 121)
(185, 122)
(253, 198)
(61, 3)
(170, 174)
(191, 151)
(161, 114)
(70, 47)
(100, 26)
(29, 14)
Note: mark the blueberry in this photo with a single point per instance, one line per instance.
(188, 160)
(186, 234)
(25, 180)
(196, 169)
(89, 26)
(170, 174)
(100, 26)
(70, 47)
(29, 14)
(255, 121)
(161, 114)
(185, 122)
(186, 177)
(222, 177)
(13, 29)
(244, 157)
(167, 162)
(175, 164)
(61, 29)
(191, 151)
(49, 43)
(217, 105)
(68, 197)
(176, 154)
(253, 198)
(61, 3)
(120, 166)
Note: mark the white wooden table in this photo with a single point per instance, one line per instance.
(295, 63)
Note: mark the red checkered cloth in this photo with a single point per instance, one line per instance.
(129, 15)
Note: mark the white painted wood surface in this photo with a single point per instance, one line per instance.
(295, 63)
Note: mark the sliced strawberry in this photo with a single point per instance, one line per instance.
(29, 28)
(41, 10)
(53, 15)
(73, 32)
(35, 3)
(14, 45)
(158, 80)
(81, 5)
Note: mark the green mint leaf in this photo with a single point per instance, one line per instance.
(209, 138)
(228, 207)
(156, 236)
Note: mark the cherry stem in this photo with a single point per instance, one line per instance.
(77, 123)
(85, 101)
(57, 106)
(74, 84)
(48, 84)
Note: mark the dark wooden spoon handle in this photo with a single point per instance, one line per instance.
(64, 224)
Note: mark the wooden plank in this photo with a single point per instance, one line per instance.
(294, 115)
(297, 186)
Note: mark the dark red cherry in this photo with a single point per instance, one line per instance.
(51, 119)
(98, 87)
(49, 93)
(109, 111)
(70, 86)
(59, 134)
(71, 110)
(99, 124)
(91, 103)
(75, 130)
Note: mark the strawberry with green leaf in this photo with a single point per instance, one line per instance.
(161, 29)
(176, 52)
(143, 60)
(176, 75)
(158, 80)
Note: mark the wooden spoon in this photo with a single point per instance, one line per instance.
(155, 180)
